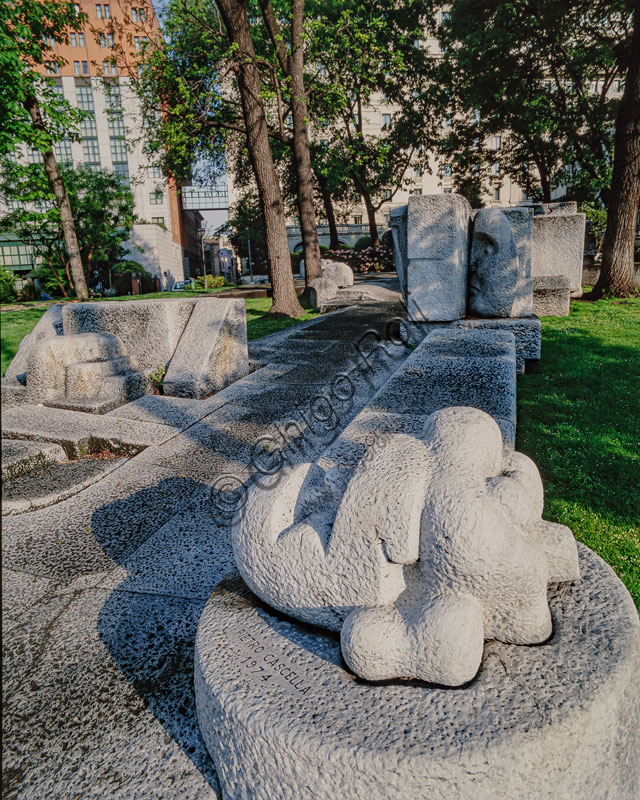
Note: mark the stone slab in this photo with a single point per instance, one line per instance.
(558, 247)
(21, 457)
(280, 713)
(527, 332)
(456, 368)
(521, 221)
(81, 433)
(149, 330)
(54, 483)
(321, 292)
(551, 296)
(212, 351)
(437, 257)
(398, 225)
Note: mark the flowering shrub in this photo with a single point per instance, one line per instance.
(371, 258)
(213, 282)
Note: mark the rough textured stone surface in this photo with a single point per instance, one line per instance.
(149, 330)
(521, 221)
(20, 457)
(498, 286)
(80, 433)
(437, 254)
(398, 224)
(322, 291)
(212, 351)
(451, 503)
(558, 247)
(551, 296)
(49, 325)
(280, 713)
(13, 393)
(337, 271)
(456, 368)
(527, 332)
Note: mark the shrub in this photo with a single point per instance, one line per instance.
(7, 285)
(362, 243)
(212, 282)
(371, 258)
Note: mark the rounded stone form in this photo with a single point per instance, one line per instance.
(283, 717)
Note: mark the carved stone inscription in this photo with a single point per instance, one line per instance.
(257, 662)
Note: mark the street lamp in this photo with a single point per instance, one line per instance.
(250, 263)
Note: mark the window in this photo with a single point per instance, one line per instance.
(63, 151)
(475, 116)
(416, 191)
(154, 172)
(118, 150)
(98, 11)
(496, 193)
(357, 220)
(593, 88)
(85, 98)
(76, 67)
(418, 171)
(122, 171)
(91, 152)
(88, 127)
(114, 68)
(356, 120)
(138, 15)
(386, 121)
(105, 67)
(20, 256)
(85, 68)
(103, 40)
(476, 143)
(446, 122)
(156, 198)
(617, 86)
(444, 16)
(448, 190)
(134, 15)
(386, 194)
(107, 12)
(356, 198)
(110, 39)
(447, 170)
(416, 43)
(496, 167)
(51, 67)
(158, 221)
(139, 42)
(114, 98)
(116, 124)
(81, 39)
(76, 7)
(35, 156)
(497, 142)
(73, 40)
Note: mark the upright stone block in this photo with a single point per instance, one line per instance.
(558, 247)
(521, 221)
(398, 224)
(48, 326)
(212, 352)
(322, 291)
(437, 257)
(498, 286)
(551, 296)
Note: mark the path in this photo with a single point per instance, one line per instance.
(103, 590)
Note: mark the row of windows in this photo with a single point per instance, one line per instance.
(103, 11)
(76, 39)
(106, 40)
(109, 68)
(138, 15)
(16, 255)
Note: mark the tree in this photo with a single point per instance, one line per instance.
(30, 107)
(104, 216)
(372, 53)
(616, 271)
(202, 85)
(539, 74)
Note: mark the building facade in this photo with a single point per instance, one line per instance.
(165, 240)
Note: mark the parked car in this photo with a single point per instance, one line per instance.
(261, 280)
(180, 286)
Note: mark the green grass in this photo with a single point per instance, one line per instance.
(14, 325)
(579, 420)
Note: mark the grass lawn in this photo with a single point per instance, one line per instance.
(16, 324)
(579, 420)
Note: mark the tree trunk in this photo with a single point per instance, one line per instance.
(62, 201)
(371, 217)
(285, 300)
(301, 154)
(334, 242)
(616, 272)
(544, 180)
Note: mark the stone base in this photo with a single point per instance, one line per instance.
(551, 296)
(527, 331)
(283, 717)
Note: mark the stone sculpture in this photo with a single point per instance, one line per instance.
(435, 545)
(322, 291)
(337, 271)
(498, 286)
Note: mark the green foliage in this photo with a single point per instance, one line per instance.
(212, 282)
(158, 377)
(27, 29)
(246, 224)
(362, 242)
(7, 285)
(103, 209)
(597, 216)
(540, 76)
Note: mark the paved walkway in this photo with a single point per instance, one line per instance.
(103, 590)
